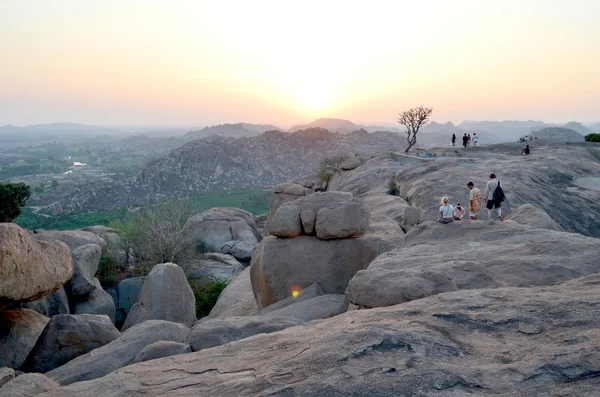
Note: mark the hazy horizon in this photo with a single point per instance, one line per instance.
(199, 63)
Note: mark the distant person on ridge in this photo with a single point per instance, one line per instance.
(475, 139)
(453, 139)
(475, 201)
(494, 196)
(526, 151)
(465, 140)
(458, 213)
(469, 140)
(446, 211)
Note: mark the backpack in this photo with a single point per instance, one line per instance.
(499, 194)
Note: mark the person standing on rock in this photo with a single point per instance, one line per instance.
(475, 200)
(494, 195)
(475, 139)
(446, 211)
(465, 140)
(453, 139)
(468, 139)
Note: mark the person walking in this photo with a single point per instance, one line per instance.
(475, 139)
(469, 140)
(475, 200)
(453, 139)
(465, 140)
(494, 195)
(446, 211)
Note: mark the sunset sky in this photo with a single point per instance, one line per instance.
(203, 62)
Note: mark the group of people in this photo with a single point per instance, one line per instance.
(493, 197)
(466, 140)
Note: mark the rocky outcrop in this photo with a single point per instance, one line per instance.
(162, 348)
(319, 307)
(30, 269)
(50, 305)
(215, 228)
(490, 256)
(166, 295)
(237, 299)
(86, 259)
(558, 134)
(450, 344)
(73, 238)
(28, 385)
(96, 302)
(344, 220)
(211, 267)
(119, 352)
(127, 292)
(531, 216)
(6, 375)
(67, 337)
(19, 331)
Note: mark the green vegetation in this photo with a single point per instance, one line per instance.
(13, 197)
(592, 138)
(206, 295)
(331, 165)
(107, 271)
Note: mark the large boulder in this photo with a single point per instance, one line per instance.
(96, 302)
(67, 337)
(395, 208)
(86, 259)
(19, 331)
(127, 292)
(280, 266)
(73, 238)
(6, 375)
(166, 295)
(531, 216)
(28, 385)
(30, 269)
(241, 250)
(162, 348)
(119, 352)
(286, 222)
(342, 220)
(481, 255)
(237, 299)
(50, 305)
(538, 341)
(323, 306)
(218, 331)
(286, 192)
(214, 228)
(211, 267)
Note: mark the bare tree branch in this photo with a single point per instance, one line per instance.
(413, 120)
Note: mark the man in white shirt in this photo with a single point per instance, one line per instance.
(489, 197)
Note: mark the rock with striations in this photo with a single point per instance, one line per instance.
(28, 385)
(218, 331)
(484, 255)
(118, 353)
(350, 164)
(216, 227)
(531, 216)
(67, 337)
(30, 269)
(19, 331)
(96, 302)
(50, 305)
(166, 295)
(237, 299)
(162, 348)
(6, 375)
(210, 267)
(342, 220)
(73, 238)
(508, 341)
(86, 259)
(319, 307)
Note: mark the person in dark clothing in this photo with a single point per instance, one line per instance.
(453, 139)
(526, 151)
(465, 139)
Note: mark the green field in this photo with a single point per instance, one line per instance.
(255, 201)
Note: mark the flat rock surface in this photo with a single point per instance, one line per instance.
(534, 217)
(19, 331)
(237, 299)
(162, 348)
(475, 342)
(27, 385)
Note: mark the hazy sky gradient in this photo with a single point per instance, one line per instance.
(204, 62)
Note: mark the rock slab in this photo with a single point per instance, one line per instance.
(19, 331)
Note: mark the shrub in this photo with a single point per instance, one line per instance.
(206, 295)
(331, 165)
(393, 186)
(592, 138)
(107, 271)
(13, 197)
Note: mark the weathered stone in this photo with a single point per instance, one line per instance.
(166, 295)
(19, 331)
(50, 305)
(342, 220)
(73, 238)
(206, 270)
(86, 259)
(351, 164)
(67, 337)
(6, 375)
(308, 217)
(242, 250)
(307, 293)
(218, 331)
(30, 269)
(119, 352)
(286, 222)
(128, 292)
(96, 302)
(319, 307)
(531, 216)
(28, 385)
(162, 348)
(237, 299)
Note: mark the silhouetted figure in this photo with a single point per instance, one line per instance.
(465, 140)
(526, 151)
(468, 139)
(453, 139)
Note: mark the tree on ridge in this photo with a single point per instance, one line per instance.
(413, 120)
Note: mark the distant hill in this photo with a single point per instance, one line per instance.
(339, 126)
(558, 134)
(595, 127)
(446, 128)
(508, 130)
(238, 130)
(575, 126)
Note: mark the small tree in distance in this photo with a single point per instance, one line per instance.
(413, 120)
(13, 197)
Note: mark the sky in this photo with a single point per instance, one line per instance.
(203, 62)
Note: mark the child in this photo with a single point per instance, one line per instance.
(459, 212)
